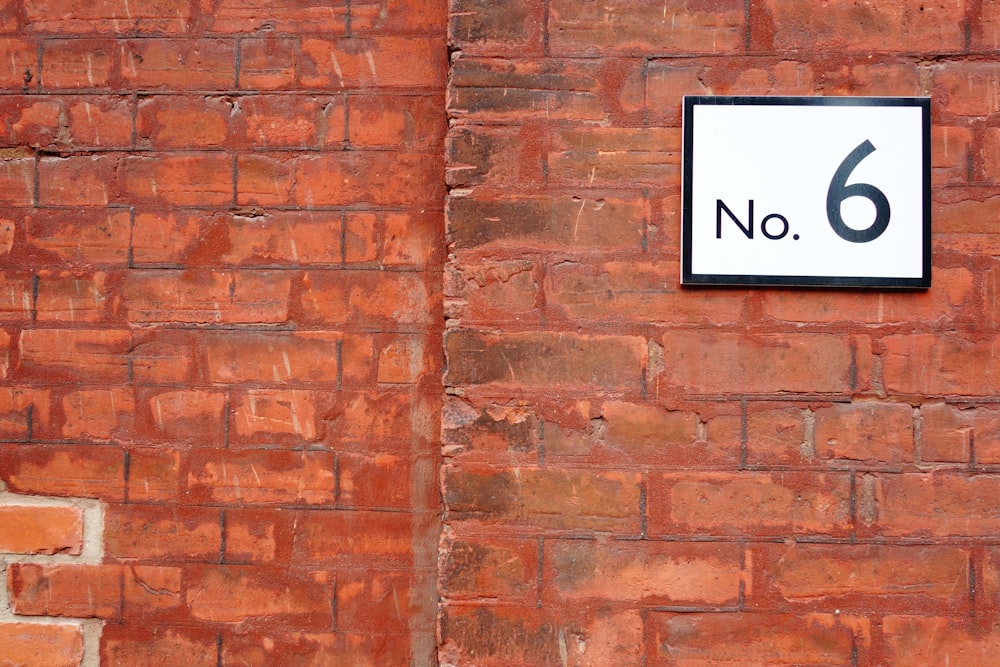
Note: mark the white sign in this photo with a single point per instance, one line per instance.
(828, 191)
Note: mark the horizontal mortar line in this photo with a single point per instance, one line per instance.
(366, 267)
(429, 330)
(749, 540)
(146, 208)
(126, 93)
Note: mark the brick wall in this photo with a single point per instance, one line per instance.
(639, 474)
(230, 298)
(220, 335)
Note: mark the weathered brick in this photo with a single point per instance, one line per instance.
(178, 64)
(652, 434)
(368, 62)
(352, 537)
(96, 354)
(28, 529)
(287, 121)
(261, 477)
(270, 63)
(154, 474)
(175, 122)
(239, 16)
(761, 503)
(88, 471)
(483, 27)
(76, 181)
(20, 63)
(158, 646)
(42, 645)
(206, 297)
(301, 649)
(959, 85)
(572, 222)
(860, 578)
(489, 567)
(80, 237)
(583, 499)
(930, 640)
(725, 363)
(866, 431)
(241, 595)
(77, 63)
(182, 416)
(272, 415)
(29, 121)
(643, 26)
(757, 639)
(17, 181)
(384, 599)
(114, 16)
(930, 505)
(545, 360)
(177, 180)
(950, 434)
(775, 435)
(390, 120)
(646, 573)
(159, 534)
(876, 26)
(938, 364)
(102, 415)
(83, 591)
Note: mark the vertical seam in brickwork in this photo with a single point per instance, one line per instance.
(539, 575)
(130, 260)
(35, 280)
(545, 27)
(126, 472)
(222, 536)
(744, 427)
(235, 177)
(237, 62)
(347, 18)
(746, 21)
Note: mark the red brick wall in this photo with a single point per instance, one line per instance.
(219, 237)
(640, 474)
(230, 298)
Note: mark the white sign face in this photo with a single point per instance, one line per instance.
(828, 191)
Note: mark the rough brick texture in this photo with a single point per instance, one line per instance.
(640, 474)
(220, 250)
(349, 332)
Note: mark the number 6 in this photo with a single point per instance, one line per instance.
(839, 191)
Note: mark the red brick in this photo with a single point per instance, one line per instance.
(19, 58)
(653, 434)
(492, 635)
(97, 355)
(932, 505)
(483, 27)
(963, 210)
(167, 236)
(352, 537)
(545, 360)
(183, 416)
(70, 297)
(724, 363)
(758, 503)
(553, 221)
(489, 567)
(990, 578)
(261, 477)
(368, 62)
(617, 290)
(271, 63)
(165, 358)
(540, 497)
(280, 357)
(407, 239)
(402, 360)
(282, 16)
(17, 299)
(21, 411)
(860, 578)
(377, 481)
(487, 89)
(381, 300)
(165, 122)
(865, 431)
(483, 433)
(386, 600)
(754, 639)
(243, 596)
(875, 26)
(29, 121)
(17, 182)
(98, 414)
(77, 63)
(287, 121)
(154, 475)
(162, 533)
(614, 157)
(776, 435)
(272, 415)
(179, 64)
(89, 471)
(41, 645)
(177, 180)
(930, 640)
(986, 31)
(399, 16)
(951, 150)
(100, 122)
(83, 591)
(117, 16)
(959, 85)
(80, 237)
(496, 291)
(382, 417)
(28, 529)
(643, 26)
(393, 120)
(158, 646)
(76, 181)
(151, 593)
(203, 297)
(938, 365)
(304, 649)
(953, 288)
(949, 434)
(647, 573)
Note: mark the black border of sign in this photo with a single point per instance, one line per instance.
(702, 279)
